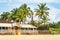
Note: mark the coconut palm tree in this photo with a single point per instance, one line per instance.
(42, 11)
(5, 15)
(23, 12)
(13, 14)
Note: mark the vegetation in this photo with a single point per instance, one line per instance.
(5, 16)
(20, 15)
(55, 28)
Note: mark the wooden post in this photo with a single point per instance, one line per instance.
(33, 29)
(1, 28)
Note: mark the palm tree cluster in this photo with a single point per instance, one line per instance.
(20, 14)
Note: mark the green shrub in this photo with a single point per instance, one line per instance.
(54, 31)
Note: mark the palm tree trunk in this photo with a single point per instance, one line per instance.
(31, 18)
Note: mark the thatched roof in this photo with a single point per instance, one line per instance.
(7, 24)
(27, 26)
(16, 24)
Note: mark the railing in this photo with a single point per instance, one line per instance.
(27, 31)
(4, 31)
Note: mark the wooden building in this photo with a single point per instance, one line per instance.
(16, 28)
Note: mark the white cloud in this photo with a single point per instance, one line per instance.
(3, 1)
(52, 1)
(53, 14)
(40, 1)
(31, 1)
(58, 19)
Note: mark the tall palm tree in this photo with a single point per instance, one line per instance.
(24, 12)
(42, 11)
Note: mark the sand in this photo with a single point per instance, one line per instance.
(29, 37)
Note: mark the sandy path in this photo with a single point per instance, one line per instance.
(29, 37)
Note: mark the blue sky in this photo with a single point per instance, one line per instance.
(54, 5)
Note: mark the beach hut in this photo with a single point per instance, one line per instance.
(7, 27)
(16, 28)
(27, 29)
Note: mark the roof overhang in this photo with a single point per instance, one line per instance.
(16, 24)
(27, 26)
(7, 24)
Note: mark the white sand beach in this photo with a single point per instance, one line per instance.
(29, 37)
